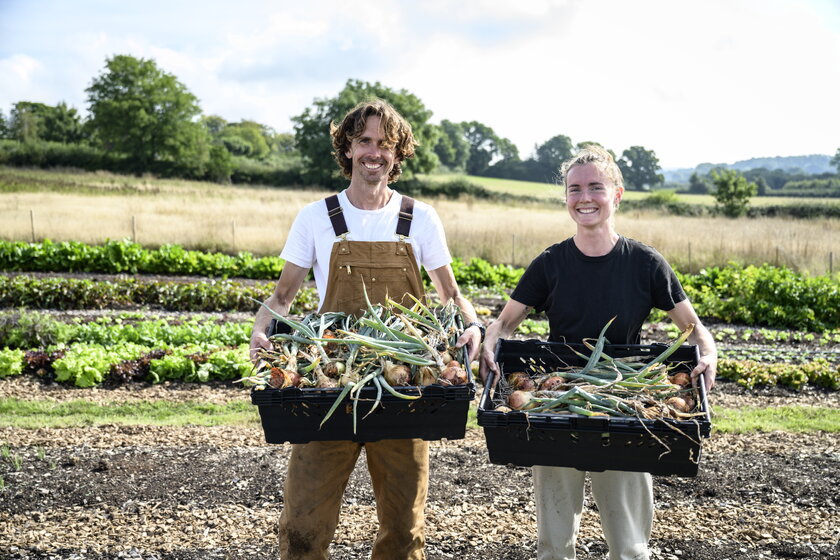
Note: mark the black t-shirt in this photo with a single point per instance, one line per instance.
(579, 294)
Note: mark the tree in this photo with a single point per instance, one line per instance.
(312, 131)
(246, 138)
(639, 168)
(4, 127)
(552, 154)
(486, 147)
(835, 161)
(581, 145)
(698, 184)
(733, 191)
(452, 148)
(555, 151)
(145, 113)
(26, 121)
(215, 125)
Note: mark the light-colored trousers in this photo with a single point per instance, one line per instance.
(624, 499)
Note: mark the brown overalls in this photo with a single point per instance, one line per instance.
(399, 469)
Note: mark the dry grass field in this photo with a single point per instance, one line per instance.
(93, 207)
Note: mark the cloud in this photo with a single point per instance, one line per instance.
(716, 80)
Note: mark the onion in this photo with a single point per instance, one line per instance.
(677, 403)
(334, 369)
(519, 380)
(282, 378)
(552, 383)
(682, 379)
(348, 377)
(325, 382)
(453, 374)
(397, 375)
(427, 375)
(520, 400)
(503, 409)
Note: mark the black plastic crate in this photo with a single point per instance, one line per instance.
(660, 447)
(294, 415)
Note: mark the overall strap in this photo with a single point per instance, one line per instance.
(406, 213)
(336, 215)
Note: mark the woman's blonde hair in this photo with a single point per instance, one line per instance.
(397, 131)
(597, 155)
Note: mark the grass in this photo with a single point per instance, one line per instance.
(794, 419)
(550, 191)
(25, 414)
(17, 413)
(93, 207)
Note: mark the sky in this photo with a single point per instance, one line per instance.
(696, 81)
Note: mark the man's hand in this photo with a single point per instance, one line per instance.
(258, 341)
(472, 339)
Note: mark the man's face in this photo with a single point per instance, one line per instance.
(372, 162)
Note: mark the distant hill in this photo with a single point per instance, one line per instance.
(812, 165)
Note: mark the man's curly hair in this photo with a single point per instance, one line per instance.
(397, 132)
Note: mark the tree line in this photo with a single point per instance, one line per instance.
(143, 119)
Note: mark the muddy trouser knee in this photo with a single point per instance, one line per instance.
(558, 496)
(399, 472)
(315, 482)
(625, 502)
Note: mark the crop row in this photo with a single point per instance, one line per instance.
(31, 329)
(750, 373)
(86, 365)
(127, 257)
(127, 293)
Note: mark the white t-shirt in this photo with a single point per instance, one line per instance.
(311, 238)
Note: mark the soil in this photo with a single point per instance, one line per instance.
(206, 493)
(149, 492)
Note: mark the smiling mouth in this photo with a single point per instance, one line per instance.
(372, 166)
(587, 210)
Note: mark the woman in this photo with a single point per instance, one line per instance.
(580, 284)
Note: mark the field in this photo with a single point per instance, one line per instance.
(181, 471)
(92, 207)
(116, 482)
(552, 192)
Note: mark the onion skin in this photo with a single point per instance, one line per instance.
(682, 379)
(325, 382)
(282, 378)
(397, 375)
(520, 400)
(453, 374)
(427, 375)
(520, 381)
(334, 369)
(552, 383)
(678, 403)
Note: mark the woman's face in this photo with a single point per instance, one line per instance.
(591, 196)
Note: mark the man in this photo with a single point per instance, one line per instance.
(368, 237)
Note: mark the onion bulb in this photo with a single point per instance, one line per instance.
(397, 375)
(453, 374)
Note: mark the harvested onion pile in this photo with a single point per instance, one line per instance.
(606, 386)
(388, 346)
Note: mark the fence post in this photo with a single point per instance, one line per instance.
(513, 250)
(32, 223)
(689, 258)
(134, 229)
